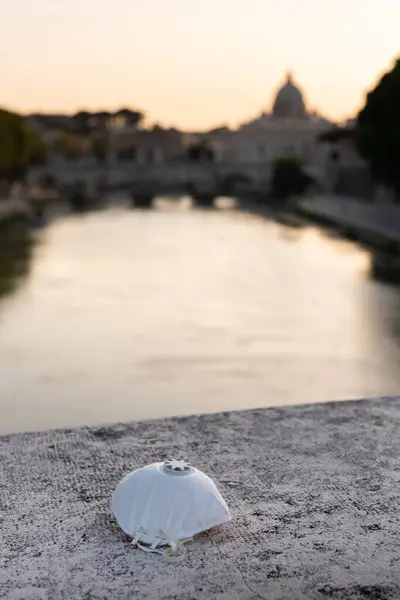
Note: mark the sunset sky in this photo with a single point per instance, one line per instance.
(189, 63)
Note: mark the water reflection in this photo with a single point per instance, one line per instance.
(136, 314)
(15, 255)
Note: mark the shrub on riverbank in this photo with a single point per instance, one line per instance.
(99, 148)
(288, 178)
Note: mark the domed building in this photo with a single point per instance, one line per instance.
(290, 128)
(289, 102)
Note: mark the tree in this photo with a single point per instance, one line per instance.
(19, 147)
(200, 153)
(99, 148)
(85, 122)
(37, 148)
(68, 145)
(132, 117)
(128, 153)
(82, 122)
(378, 130)
(102, 119)
(288, 178)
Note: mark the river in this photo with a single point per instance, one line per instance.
(126, 314)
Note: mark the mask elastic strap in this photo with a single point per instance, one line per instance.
(137, 535)
(149, 548)
(176, 551)
(175, 556)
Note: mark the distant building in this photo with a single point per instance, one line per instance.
(289, 129)
(49, 126)
(148, 146)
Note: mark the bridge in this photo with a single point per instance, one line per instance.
(160, 178)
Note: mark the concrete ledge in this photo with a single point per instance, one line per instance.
(314, 491)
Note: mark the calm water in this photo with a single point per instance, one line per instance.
(128, 314)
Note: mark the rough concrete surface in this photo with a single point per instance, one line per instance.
(313, 490)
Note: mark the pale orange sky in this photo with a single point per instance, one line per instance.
(194, 64)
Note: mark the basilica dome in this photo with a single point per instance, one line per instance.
(289, 102)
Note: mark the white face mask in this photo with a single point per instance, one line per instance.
(164, 505)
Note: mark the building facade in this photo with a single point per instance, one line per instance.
(289, 129)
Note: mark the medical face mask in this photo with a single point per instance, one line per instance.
(162, 506)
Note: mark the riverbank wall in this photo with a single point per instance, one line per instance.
(375, 223)
(11, 208)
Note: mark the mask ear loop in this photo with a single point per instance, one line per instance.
(152, 548)
(137, 533)
(175, 553)
(177, 550)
